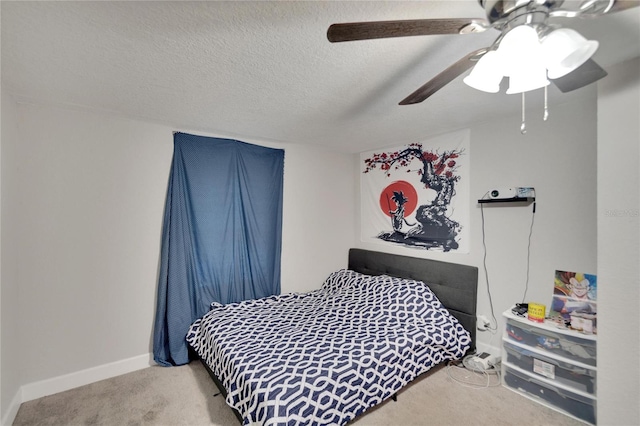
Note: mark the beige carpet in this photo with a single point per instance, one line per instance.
(184, 396)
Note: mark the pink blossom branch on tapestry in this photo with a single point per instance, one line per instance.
(438, 170)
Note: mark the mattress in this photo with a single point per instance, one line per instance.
(326, 356)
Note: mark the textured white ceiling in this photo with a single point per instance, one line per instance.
(264, 70)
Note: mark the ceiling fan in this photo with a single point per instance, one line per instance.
(501, 15)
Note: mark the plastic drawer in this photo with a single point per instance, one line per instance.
(556, 343)
(577, 405)
(574, 376)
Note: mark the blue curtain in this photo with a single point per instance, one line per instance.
(221, 237)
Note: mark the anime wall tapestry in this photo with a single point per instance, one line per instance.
(417, 195)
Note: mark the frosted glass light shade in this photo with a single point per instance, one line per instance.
(564, 50)
(486, 74)
(523, 60)
(519, 47)
(534, 78)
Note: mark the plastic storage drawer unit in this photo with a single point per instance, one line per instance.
(555, 343)
(573, 403)
(579, 377)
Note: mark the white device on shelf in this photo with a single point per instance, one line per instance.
(502, 193)
(510, 193)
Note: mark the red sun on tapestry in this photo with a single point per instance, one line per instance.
(388, 197)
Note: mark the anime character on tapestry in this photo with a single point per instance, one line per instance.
(416, 195)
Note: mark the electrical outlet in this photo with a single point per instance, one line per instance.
(483, 323)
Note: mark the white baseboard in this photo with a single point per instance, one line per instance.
(14, 406)
(42, 388)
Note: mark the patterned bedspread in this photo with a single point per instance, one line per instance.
(326, 356)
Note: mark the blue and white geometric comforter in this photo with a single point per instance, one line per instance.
(326, 356)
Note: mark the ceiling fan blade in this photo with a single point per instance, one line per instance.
(444, 78)
(623, 5)
(416, 27)
(585, 74)
(595, 8)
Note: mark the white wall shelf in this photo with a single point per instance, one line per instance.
(527, 200)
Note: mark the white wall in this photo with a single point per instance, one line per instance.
(319, 216)
(619, 245)
(558, 158)
(88, 218)
(10, 378)
(84, 200)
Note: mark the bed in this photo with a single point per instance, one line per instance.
(326, 356)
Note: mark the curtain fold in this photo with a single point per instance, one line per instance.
(221, 237)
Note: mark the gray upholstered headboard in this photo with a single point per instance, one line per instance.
(455, 285)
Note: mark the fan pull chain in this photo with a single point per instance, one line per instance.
(523, 126)
(545, 116)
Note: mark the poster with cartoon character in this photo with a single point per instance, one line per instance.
(417, 195)
(574, 292)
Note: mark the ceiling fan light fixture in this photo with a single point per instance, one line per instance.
(565, 50)
(517, 20)
(486, 75)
